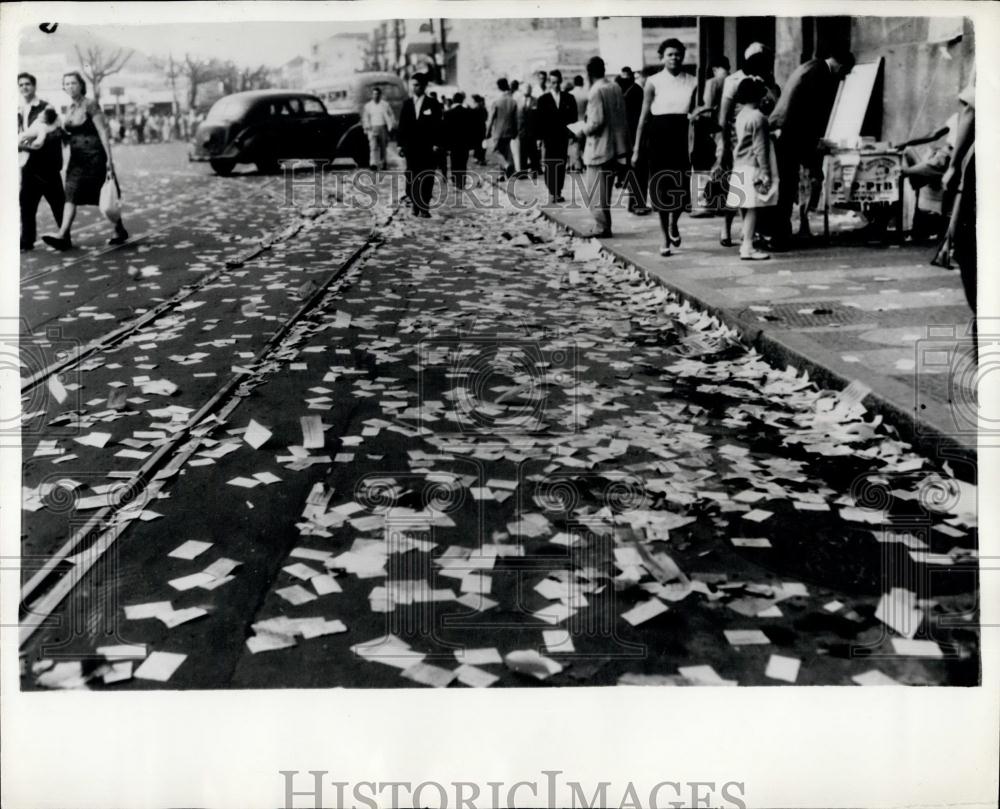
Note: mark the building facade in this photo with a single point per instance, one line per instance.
(928, 60)
(334, 59)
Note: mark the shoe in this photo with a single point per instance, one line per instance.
(56, 243)
(666, 251)
(725, 242)
(560, 198)
(642, 211)
(675, 240)
(756, 255)
(415, 211)
(424, 215)
(119, 238)
(599, 234)
(26, 247)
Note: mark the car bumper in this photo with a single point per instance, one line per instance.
(202, 152)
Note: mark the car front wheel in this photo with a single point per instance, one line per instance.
(222, 166)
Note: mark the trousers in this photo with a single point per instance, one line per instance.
(554, 166)
(378, 147)
(35, 187)
(600, 183)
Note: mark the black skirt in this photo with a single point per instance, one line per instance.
(86, 171)
(666, 138)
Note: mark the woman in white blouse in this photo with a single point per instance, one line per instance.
(668, 100)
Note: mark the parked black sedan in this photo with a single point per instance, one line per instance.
(267, 126)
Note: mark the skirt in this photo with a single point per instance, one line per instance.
(666, 137)
(86, 171)
(743, 192)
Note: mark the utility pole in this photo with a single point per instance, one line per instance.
(398, 37)
(434, 60)
(383, 39)
(444, 53)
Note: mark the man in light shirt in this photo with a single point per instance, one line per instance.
(377, 120)
(502, 126)
(581, 96)
(607, 145)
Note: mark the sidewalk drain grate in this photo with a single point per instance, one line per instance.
(811, 313)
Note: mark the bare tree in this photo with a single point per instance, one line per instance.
(236, 80)
(96, 65)
(256, 79)
(197, 72)
(172, 71)
(229, 76)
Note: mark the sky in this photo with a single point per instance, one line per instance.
(247, 43)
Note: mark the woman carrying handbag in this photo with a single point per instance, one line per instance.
(90, 165)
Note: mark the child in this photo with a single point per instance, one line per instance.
(34, 136)
(753, 183)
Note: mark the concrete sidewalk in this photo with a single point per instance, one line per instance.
(879, 314)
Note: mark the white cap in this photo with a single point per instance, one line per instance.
(754, 48)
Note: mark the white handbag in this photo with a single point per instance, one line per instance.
(110, 201)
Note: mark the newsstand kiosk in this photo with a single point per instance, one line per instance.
(860, 173)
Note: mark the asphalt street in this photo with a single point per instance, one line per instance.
(329, 444)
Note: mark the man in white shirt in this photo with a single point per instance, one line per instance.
(42, 163)
(377, 120)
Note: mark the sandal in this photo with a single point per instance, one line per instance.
(756, 255)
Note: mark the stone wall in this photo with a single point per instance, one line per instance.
(923, 75)
(927, 62)
(515, 48)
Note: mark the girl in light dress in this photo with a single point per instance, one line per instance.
(753, 183)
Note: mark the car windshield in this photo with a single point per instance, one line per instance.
(230, 108)
(313, 106)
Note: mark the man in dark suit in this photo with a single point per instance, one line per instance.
(459, 136)
(637, 174)
(419, 134)
(40, 173)
(799, 122)
(480, 115)
(556, 110)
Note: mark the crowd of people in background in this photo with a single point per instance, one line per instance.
(760, 144)
(142, 126)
